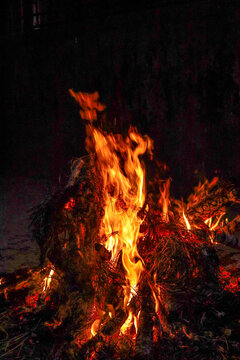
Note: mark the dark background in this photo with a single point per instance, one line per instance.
(169, 67)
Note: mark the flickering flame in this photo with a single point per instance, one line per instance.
(127, 323)
(186, 221)
(200, 191)
(47, 281)
(124, 195)
(210, 224)
(123, 205)
(95, 327)
(164, 200)
(89, 103)
(213, 225)
(123, 176)
(132, 320)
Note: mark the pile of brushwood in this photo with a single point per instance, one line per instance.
(186, 311)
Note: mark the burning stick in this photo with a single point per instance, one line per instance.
(114, 325)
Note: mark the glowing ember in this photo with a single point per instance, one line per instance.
(70, 204)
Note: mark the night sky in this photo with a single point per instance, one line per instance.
(170, 68)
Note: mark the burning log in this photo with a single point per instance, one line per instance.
(114, 325)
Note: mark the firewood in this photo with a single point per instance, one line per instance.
(215, 202)
(114, 324)
(228, 239)
(144, 339)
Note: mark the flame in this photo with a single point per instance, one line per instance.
(95, 327)
(131, 320)
(186, 221)
(97, 322)
(164, 200)
(70, 204)
(89, 103)
(210, 224)
(123, 177)
(127, 323)
(200, 191)
(124, 195)
(47, 281)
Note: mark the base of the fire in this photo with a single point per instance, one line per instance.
(126, 272)
(185, 305)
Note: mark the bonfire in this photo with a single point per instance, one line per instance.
(127, 272)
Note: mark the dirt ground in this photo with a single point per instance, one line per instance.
(18, 196)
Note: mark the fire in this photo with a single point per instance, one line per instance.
(47, 281)
(124, 195)
(212, 226)
(186, 221)
(126, 264)
(117, 160)
(164, 200)
(95, 326)
(124, 192)
(70, 204)
(89, 104)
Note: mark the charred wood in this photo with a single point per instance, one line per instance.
(228, 239)
(114, 325)
(144, 339)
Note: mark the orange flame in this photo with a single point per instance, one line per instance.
(164, 200)
(89, 103)
(95, 327)
(123, 176)
(124, 195)
(186, 221)
(210, 224)
(47, 281)
(131, 320)
(200, 191)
